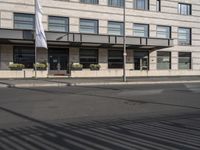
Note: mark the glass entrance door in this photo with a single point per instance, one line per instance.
(141, 60)
(58, 59)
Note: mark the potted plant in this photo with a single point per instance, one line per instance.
(16, 66)
(41, 66)
(95, 67)
(76, 66)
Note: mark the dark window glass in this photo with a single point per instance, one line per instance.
(184, 36)
(24, 55)
(88, 26)
(164, 32)
(89, 1)
(115, 28)
(184, 60)
(59, 24)
(116, 3)
(184, 9)
(163, 60)
(115, 59)
(24, 21)
(88, 56)
(142, 4)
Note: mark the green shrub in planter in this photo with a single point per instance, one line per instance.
(16, 66)
(41, 66)
(95, 66)
(76, 67)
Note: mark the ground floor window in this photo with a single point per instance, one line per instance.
(163, 60)
(184, 60)
(88, 57)
(24, 55)
(141, 60)
(115, 59)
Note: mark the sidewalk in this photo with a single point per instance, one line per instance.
(61, 82)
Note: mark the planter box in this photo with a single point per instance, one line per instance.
(76, 69)
(94, 69)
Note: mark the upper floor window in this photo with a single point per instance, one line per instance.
(184, 36)
(90, 1)
(115, 28)
(141, 30)
(163, 32)
(116, 3)
(158, 5)
(89, 26)
(24, 21)
(59, 24)
(184, 9)
(142, 4)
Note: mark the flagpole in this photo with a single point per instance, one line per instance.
(35, 45)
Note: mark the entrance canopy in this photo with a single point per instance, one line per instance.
(12, 36)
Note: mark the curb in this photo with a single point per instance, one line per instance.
(93, 83)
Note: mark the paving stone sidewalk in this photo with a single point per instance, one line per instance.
(95, 81)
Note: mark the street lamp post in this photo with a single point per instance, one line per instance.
(124, 42)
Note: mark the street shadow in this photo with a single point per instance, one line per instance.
(172, 132)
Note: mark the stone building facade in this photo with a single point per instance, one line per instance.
(162, 37)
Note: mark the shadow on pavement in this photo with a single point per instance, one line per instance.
(176, 132)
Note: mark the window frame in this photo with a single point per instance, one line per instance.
(87, 2)
(118, 6)
(144, 32)
(120, 63)
(158, 5)
(97, 25)
(188, 5)
(121, 30)
(190, 65)
(146, 7)
(28, 14)
(21, 48)
(67, 27)
(190, 36)
(170, 31)
(162, 56)
(89, 49)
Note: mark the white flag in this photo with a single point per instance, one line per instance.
(40, 38)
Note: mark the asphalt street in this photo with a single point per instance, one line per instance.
(128, 117)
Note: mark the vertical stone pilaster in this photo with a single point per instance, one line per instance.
(195, 60)
(174, 60)
(103, 58)
(73, 24)
(73, 55)
(6, 56)
(129, 59)
(153, 60)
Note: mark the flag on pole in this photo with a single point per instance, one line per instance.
(40, 38)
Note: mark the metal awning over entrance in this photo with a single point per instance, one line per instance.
(12, 36)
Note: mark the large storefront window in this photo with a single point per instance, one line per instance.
(163, 60)
(24, 55)
(24, 21)
(184, 60)
(115, 59)
(88, 57)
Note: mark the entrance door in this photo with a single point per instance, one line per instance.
(141, 60)
(58, 60)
